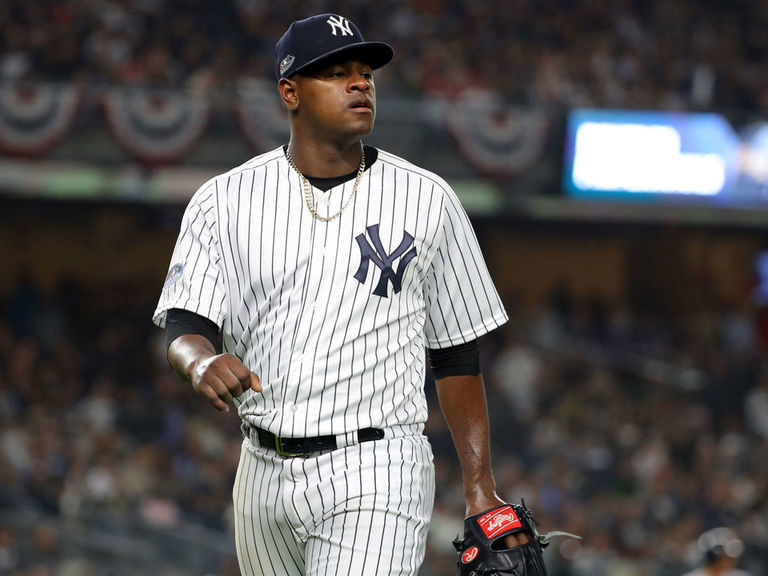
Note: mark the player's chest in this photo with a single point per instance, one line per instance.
(378, 245)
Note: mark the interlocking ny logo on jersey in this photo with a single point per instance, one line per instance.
(341, 23)
(378, 255)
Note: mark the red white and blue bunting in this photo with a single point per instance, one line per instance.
(34, 117)
(156, 126)
(493, 137)
(159, 126)
(261, 116)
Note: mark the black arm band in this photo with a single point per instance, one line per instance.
(461, 360)
(179, 322)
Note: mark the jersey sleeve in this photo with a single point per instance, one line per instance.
(461, 300)
(195, 281)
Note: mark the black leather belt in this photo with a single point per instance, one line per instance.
(292, 447)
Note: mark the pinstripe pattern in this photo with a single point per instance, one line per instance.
(338, 346)
(331, 356)
(361, 510)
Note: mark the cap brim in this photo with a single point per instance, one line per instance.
(374, 54)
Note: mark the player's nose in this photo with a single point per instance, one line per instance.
(359, 81)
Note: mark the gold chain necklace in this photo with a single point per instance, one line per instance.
(308, 198)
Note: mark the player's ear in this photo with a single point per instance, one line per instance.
(288, 93)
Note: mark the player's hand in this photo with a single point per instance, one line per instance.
(515, 540)
(221, 378)
(486, 503)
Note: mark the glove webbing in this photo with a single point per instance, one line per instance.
(546, 539)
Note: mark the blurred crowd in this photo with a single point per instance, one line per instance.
(656, 54)
(634, 432)
(633, 429)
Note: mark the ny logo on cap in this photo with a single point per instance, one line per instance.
(342, 24)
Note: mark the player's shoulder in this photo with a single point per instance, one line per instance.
(257, 163)
(207, 192)
(400, 163)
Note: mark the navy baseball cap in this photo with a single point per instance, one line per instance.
(314, 39)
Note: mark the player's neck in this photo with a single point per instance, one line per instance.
(325, 160)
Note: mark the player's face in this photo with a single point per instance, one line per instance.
(338, 99)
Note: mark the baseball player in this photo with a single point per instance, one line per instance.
(303, 290)
(721, 549)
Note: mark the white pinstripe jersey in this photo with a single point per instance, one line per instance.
(332, 316)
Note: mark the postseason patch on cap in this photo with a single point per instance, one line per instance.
(286, 63)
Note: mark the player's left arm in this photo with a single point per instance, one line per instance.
(463, 403)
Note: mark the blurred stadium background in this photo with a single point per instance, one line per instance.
(629, 392)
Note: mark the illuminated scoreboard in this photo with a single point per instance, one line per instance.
(665, 157)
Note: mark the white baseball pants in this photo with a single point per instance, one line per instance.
(361, 510)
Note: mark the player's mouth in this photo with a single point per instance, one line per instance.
(362, 105)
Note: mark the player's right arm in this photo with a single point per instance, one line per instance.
(217, 377)
(192, 307)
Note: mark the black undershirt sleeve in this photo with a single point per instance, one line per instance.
(179, 322)
(461, 360)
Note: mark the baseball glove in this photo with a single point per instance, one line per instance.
(482, 552)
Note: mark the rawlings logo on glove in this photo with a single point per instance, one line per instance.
(469, 555)
(497, 520)
(479, 556)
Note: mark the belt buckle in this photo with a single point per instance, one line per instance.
(282, 452)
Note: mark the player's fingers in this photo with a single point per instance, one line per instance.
(255, 384)
(217, 394)
(515, 540)
(244, 377)
(237, 382)
(223, 378)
